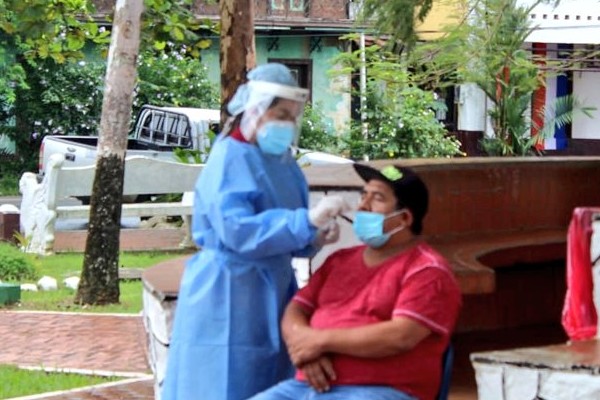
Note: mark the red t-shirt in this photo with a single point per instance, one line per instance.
(418, 284)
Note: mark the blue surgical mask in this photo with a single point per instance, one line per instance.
(368, 227)
(275, 137)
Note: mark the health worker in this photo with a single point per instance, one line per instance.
(250, 218)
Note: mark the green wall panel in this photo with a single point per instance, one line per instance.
(330, 94)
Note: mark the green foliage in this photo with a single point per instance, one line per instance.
(171, 26)
(9, 182)
(15, 266)
(36, 37)
(64, 265)
(58, 31)
(396, 18)
(400, 117)
(17, 382)
(563, 109)
(493, 35)
(59, 100)
(314, 132)
(172, 79)
(12, 76)
(70, 98)
(400, 124)
(67, 99)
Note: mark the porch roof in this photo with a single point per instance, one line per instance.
(571, 22)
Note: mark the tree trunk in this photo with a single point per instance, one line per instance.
(237, 51)
(99, 282)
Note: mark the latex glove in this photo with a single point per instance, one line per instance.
(328, 208)
(330, 233)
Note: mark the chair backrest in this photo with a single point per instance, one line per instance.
(447, 363)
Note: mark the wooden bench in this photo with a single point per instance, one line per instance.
(501, 223)
(41, 203)
(487, 211)
(485, 214)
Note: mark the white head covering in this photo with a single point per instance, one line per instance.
(265, 83)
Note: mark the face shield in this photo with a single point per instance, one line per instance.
(285, 102)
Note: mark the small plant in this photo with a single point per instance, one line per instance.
(14, 265)
(22, 240)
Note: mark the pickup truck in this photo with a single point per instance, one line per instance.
(156, 132)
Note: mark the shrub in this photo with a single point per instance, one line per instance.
(15, 265)
(173, 80)
(314, 133)
(66, 99)
(401, 124)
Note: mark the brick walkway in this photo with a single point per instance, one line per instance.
(105, 344)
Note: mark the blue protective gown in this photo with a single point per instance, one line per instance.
(250, 219)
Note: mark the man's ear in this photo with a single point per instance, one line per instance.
(407, 218)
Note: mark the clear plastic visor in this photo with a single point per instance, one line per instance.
(284, 103)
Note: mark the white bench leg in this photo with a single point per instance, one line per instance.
(187, 241)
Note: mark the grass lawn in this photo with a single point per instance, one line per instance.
(17, 382)
(9, 184)
(63, 265)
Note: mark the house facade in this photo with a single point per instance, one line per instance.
(569, 30)
(302, 34)
(305, 36)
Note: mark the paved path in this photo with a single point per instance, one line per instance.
(105, 344)
(108, 344)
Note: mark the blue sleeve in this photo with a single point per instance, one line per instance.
(307, 252)
(234, 206)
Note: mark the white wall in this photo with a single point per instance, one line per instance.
(585, 89)
(471, 108)
(572, 21)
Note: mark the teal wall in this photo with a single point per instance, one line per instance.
(329, 94)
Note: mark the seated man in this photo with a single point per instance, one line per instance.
(374, 320)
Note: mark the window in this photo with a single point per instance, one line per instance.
(297, 5)
(301, 70)
(277, 5)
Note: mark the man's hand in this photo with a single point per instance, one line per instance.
(304, 344)
(319, 373)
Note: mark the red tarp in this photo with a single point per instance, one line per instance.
(579, 317)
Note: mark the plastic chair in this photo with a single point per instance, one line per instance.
(447, 363)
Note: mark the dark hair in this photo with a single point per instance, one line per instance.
(410, 191)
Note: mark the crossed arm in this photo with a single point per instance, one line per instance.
(308, 347)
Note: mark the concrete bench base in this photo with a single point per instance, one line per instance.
(557, 372)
